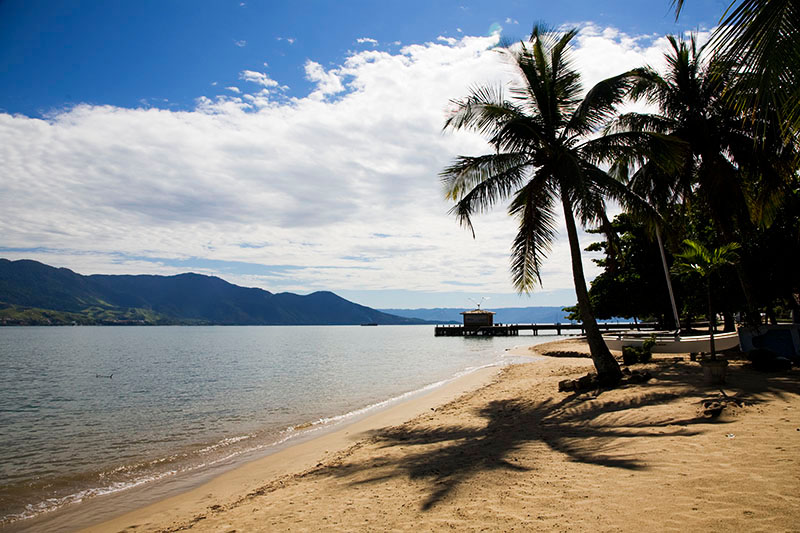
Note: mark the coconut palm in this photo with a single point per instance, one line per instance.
(760, 37)
(698, 259)
(739, 180)
(539, 130)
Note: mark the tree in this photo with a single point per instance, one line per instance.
(632, 281)
(740, 181)
(760, 37)
(698, 259)
(542, 154)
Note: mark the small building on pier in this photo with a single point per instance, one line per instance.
(478, 318)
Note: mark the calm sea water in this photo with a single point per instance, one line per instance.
(183, 399)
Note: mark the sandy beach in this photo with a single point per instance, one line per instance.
(507, 452)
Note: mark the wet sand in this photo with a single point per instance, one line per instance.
(508, 452)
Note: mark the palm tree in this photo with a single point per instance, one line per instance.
(723, 167)
(760, 37)
(698, 259)
(542, 154)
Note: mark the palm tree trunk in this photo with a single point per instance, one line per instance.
(712, 324)
(608, 371)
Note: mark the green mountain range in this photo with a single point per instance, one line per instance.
(34, 293)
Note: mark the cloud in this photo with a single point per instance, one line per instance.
(289, 40)
(449, 40)
(328, 83)
(240, 44)
(311, 182)
(233, 89)
(362, 40)
(509, 20)
(257, 77)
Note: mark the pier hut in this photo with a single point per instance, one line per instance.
(478, 318)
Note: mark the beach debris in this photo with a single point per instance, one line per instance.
(637, 376)
(108, 376)
(582, 384)
(712, 408)
(589, 382)
(730, 435)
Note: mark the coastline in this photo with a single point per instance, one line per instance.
(177, 497)
(501, 449)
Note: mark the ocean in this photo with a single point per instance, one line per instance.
(86, 411)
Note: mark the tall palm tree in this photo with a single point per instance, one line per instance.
(760, 37)
(739, 180)
(698, 259)
(539, 131)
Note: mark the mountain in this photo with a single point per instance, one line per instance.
(506, 315)
(32, 292)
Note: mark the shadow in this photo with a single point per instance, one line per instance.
(566, 353)
(583, 427)
(585, 431)
(742, 381)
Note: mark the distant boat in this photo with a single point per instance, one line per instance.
(370, 324)
(671, 343)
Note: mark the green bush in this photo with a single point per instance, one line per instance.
(632, 355)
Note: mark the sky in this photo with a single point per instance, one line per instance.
(291, 146)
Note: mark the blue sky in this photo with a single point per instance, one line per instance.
(286, 145)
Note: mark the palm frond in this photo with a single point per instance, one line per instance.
(696, 258)
(533, 208)
(599, 104)
(482, 110)
(478, 183)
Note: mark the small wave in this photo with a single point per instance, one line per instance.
(285, 435)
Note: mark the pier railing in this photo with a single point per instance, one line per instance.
(511, 330)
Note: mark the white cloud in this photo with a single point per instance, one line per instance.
(309, 182)
(234, 89)
(509, 20)
(257, 77)
(289, 40)
(240, 44)
(449, 40)
(367, 40)
(327, 82)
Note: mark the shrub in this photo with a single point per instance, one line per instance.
(632, 355)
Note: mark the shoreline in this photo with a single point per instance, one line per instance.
(501, 449)
(296, 453)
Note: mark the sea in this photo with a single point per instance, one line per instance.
(88, 411)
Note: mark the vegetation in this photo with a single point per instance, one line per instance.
(738, 180)
(715, 165)
(632, 355)
(698, 259)
(544, 153)
(19, 315)
(759, 37)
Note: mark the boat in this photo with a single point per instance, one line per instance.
(370, 324)
(670, 342)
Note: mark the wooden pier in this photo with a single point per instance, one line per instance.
(512, 330)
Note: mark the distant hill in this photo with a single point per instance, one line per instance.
(505, 315)
(35, 293)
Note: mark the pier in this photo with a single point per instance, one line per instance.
(512, 330)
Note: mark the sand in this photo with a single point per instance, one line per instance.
(507, 452)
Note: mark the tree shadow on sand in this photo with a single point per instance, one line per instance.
(585, 431)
